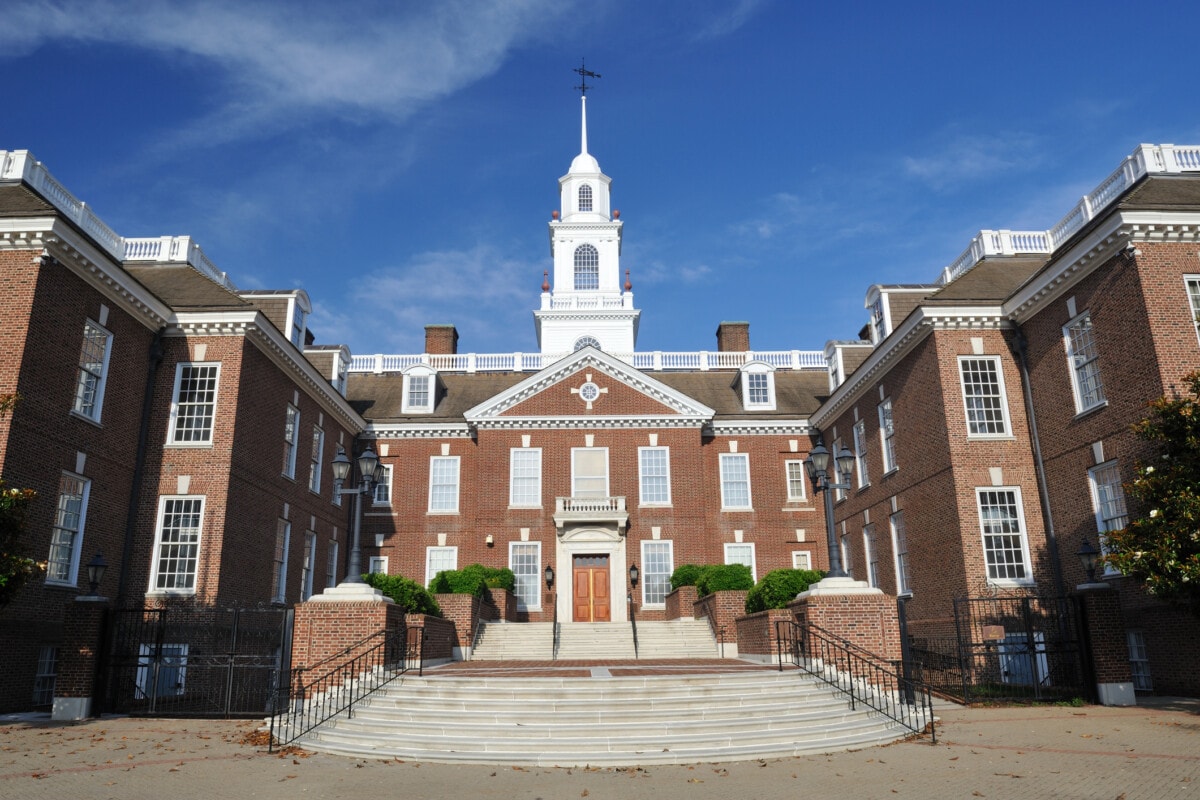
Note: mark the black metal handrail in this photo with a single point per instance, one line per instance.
(888, 687)
(633, 622)
(304, 702)
(554, 629)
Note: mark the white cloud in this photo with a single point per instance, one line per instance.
(966, 159)
(725, 22)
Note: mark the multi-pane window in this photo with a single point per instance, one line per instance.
(741, 553)
(525, 559)
(168, 679)
(1139, 661)
(887, 432)
(1004, 546)
(331, 564)
(195, 405)
(443, 484)
(735, 480)
(314, 467)
(1108, 498)
(846, 550)
(438, 559)
(589, 472)
(291, 439)
(1192, 282)
(587, 267)
(47, 672)
(758, 389)
(377, 565)
(383, 487)
(1083, 357)
(298, 317)
(841, 480)
(93, 370)
(525, 477)
(586, 341)
(860, 453)
(797, 480)
(983, 396)
(177, 549)
(801, 559)
(870, 555)
(654, 471)
(900, 549)
(306, 565)
(283, 535)
(66, 537)
(585, 198)
(418, 391)
(657, 565)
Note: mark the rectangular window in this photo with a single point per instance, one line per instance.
(418, 391)
(1108, 500)
(900, 549)
(1084, 358)
(758, 389)
(177, 546)
(983, 396)
(525, 477)
(869, 555)
(93, 370)
(860, 453)
(835, 470)
(654, 471)
(283, 535)
(1004, 546)
(657, 565)
(525, 560)
(194, 408)
(331, 564)
(1019, 665)
(438, 559)
(383, 487)
(306, 565)
(735, 481)
(797, 481)
(377, 565)
(1192, 282)
(1139, 661)
(589, 472)
(47, 672)
(443, 484)
(161, 672)
(66, 537)
(801, 559)
(846, 550)
(314, 467)
(887, 432)
(291, 438)
(741, 553)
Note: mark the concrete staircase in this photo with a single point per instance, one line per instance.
(602, 720)
(597, 640)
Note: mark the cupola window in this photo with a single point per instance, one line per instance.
(585, 198)
(587, 341)
(587, 268)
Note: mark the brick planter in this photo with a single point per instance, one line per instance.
(465, 611)
(756, 637)
(680, 604)
(722, 609)
(438, 639)
(865, 617)
(505, 603)
(337, 631)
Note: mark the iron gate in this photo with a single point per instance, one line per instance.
(183, 661)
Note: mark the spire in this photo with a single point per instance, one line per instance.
(583, 125)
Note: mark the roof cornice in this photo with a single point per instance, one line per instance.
(753, 427)
(419, 430)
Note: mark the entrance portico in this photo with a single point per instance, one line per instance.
(591, 559)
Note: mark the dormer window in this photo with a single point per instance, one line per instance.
(420, 390)
(585, 198)
(298, 311)
(878, 326)
(835, 374)
(758, 386)
(587, 268)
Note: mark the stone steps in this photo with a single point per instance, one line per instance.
(607, 640)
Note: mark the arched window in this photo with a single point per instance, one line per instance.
(587, 267)
(587, 341)
(585, 198)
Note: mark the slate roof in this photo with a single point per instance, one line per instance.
(185, 289)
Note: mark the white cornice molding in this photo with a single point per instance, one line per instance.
(419, 430)
(751, 427)
(582, 422)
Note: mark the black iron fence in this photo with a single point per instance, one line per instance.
(894, 689)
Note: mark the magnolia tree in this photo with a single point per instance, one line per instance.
(1161, 546)
(15, 567)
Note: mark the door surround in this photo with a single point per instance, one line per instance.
(589, 539)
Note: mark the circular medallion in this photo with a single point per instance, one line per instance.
(589, 392)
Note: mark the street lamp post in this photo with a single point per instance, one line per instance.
(817, 466)
(368, 470)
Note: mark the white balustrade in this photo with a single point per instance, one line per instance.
(590, 505)
(656, 361)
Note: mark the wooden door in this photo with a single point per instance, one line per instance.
(590, 595)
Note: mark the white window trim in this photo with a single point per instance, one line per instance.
(1004, 415)
(887, 444)
(804, 556)
(846, 550)
(428, 554)
(870, 556)
(641, 477)
(903, 576)
(1139, 660)
(745, 457)
(72, 578)
(861, 470)
(101, 379)
(1101, 523)
(753, 556)
(803, 482)
(158, 543)
(308, 565)
(179, 368)
(523, 604)
(280, 569)
(1076, 391)
(421, 371)
(512, 479)
(331, 564)
(385, 483)
(457, 461)
(377, 565)
(645, 583)
(607, 470)
(317, 459)
(757, 368)
(838, 494)
(1193, 301)
(1028, 580)
(291, 446)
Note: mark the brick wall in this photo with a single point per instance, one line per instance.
(439, 636)
(868, 621)
(756, 634)
(722, 609)
(464, 611)
(680, 604)
(325, 634)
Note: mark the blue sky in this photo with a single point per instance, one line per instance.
(771, 158)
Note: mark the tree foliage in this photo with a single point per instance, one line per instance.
(1161, 546)
(15, 567)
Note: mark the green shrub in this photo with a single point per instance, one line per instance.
(472, 580)
(684, 575)
(412, 596)
(780, 587)
(723, 577)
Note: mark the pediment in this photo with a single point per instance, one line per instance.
(590, 384)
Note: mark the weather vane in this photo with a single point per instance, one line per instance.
(584, 74)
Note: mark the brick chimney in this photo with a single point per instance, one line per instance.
(733, 337)
(441, 340)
